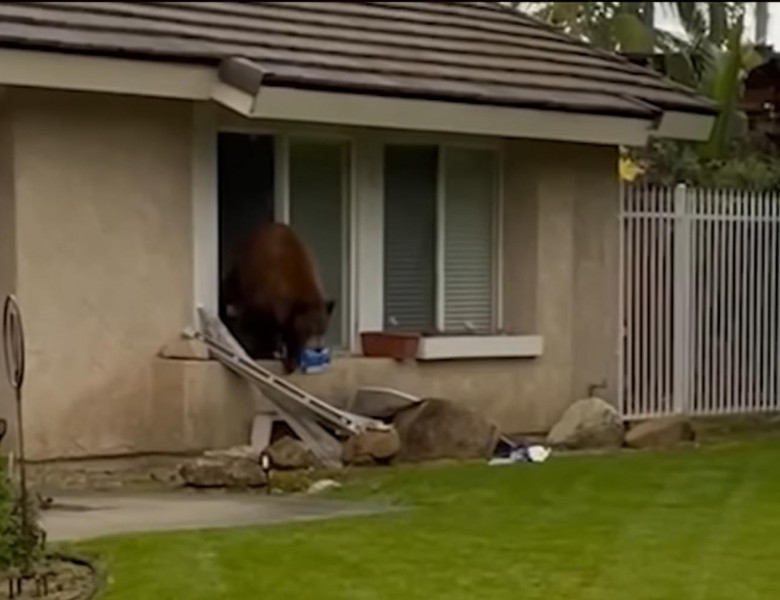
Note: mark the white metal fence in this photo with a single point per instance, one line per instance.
(699, 301)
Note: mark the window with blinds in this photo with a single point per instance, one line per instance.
(410, 237)
(469, 209)
(440, 206)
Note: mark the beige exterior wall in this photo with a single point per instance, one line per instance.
(7, 245)
(560, 261)
(102, 188)
(102, 260)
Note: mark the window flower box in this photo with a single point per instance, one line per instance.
(390, 344)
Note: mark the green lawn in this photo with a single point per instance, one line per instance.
(694, 525)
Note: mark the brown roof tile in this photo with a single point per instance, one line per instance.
(464, 51)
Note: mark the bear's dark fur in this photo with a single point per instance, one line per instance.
(272, 297)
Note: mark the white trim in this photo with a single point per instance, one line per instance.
(281, 178)
(205, 217)
(370, 232)
(498, 238)
(99, 74)
(441, 237)
(352, 254)
(429, 115)
(685, 126)
(346, 246)
(473, 346)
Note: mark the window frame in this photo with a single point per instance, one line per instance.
(442, 144)
(282, 138)
(364, 197)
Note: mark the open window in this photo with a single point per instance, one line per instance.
(299, 181)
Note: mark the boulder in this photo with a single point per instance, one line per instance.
(245, 452)
(660, 433)
(588, 423)
(437, 429)
(371, 447)
(213, 472)
(289, 453)
(184, 348)
(381, 403)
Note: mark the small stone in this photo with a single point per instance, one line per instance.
(246, 473)
(371, 446)
(323, 485)
(183, 348)
(245, 452)
(215, 473)
(589, 423)
(660, 433)
(289, 453)
(205, 473)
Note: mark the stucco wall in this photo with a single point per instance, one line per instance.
(102, 187)
(560, 258)
(102, 191)
(7, 242)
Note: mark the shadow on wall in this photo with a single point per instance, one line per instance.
(3, 428)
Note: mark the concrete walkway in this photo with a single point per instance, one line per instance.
(83, 517)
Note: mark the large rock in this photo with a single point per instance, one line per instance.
(588, 423)
(236, 452)
(371, 447)
(215, 472)
(289, 453)
(660, 433)
(381, 403)
(440, 429)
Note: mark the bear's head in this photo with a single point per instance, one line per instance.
(310, 322)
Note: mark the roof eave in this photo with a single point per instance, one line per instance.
(689, 126)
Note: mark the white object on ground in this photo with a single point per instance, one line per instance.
(534, 454)
(538, 453)
(323, 485)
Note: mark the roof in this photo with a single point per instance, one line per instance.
(468, 52)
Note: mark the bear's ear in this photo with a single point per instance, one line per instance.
(329, 306)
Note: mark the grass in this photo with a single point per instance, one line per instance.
(700, 525)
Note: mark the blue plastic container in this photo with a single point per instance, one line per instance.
(315, 361)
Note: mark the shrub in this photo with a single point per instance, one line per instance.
(20, 550)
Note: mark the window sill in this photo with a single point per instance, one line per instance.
(479, 346)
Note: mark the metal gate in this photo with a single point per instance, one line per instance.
(699, 301)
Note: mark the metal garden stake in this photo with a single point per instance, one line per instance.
(13, 351)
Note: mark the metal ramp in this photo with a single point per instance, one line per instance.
(316, 422)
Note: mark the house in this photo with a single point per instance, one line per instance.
(452, 165)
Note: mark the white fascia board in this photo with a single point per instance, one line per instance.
(429, 115)
(685, 126)
(101, 74)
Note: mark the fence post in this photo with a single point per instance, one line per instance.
(681, 287)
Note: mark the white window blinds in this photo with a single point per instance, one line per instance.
(469, 209)
(410, 237)
(440, 206)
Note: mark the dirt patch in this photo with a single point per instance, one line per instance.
(67, 580)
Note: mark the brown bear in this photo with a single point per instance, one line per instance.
(272, 296)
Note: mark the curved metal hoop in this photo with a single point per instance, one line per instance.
(13, 342)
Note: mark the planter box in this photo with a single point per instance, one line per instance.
(397, 345)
